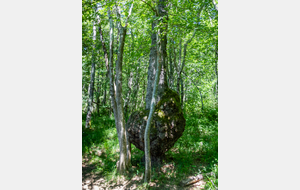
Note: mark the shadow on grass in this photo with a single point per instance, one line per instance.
(196, 151)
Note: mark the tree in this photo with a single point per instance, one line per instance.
(91, 86)
(116, 98)
(125, 150)
(180, 38)
(157, 57)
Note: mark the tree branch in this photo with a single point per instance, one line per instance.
(150, 7)
(189, 40)
(118, 15)
(129, 13)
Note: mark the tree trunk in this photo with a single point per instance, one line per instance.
(119, 101)
(171, 73)
(143, 94)
(216, 70)
(196, 87)
(104, 94)
(150, 118)
(109, 63)
(137, 85)
(105, 86)
(151, 68)
(182, 93)
(162, 85)
(125, 146)
(91, 86)
(157, 68)
(178, 69)
(98, 95)
(128, 94)
(182, 64)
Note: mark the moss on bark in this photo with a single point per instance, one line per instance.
(166, 128)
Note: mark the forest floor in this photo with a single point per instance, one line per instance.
(196, 152)
(92, 180)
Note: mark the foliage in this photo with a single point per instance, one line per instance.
(197, 150)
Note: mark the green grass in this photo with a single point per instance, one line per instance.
(195, 152)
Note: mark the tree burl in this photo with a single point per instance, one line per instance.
(166, 128)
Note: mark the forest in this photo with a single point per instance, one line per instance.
(150, 94)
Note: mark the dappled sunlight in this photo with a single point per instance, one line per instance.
(192, 153)
(180, 38)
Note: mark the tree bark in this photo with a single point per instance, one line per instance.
(91, 86)
(216, 70)
(156, 88)
(137, 85)
(162, 85)
(98, 95)
(119, 101)
(150, 118)
(151, 68)
(109, 61)
(143, 94)
(125, 146)
(171, 73)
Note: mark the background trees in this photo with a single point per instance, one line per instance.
(117, 38)
(191, 52)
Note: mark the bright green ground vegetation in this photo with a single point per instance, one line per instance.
(195, 152)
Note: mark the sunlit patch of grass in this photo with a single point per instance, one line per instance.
(100, 144)
(196, 151)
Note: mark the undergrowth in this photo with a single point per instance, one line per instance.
(196, 152)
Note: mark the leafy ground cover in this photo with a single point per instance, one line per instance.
(196, 152)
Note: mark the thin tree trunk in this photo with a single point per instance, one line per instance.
(196, 87)
(143, 95)
(216, 70)
(159, 85)
(91, 86)
(175, 65)
(182, 92)
(125, 146)
(150, 118)
(137, 84)
(130, 80)
(119, 101)
(104, 86)
(98, 95)
(104, 94)
(171, 73)
(178, 70)
(128, 94)
(109, 65)
(151, 68)
(182, 66)
(179, 78)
